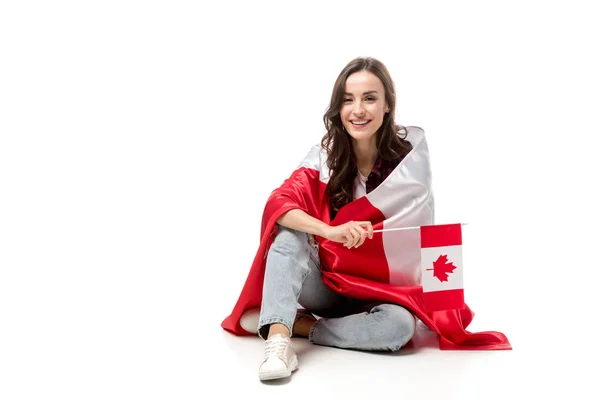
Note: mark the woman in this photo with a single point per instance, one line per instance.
(364, 145)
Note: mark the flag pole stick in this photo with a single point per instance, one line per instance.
(406, 228)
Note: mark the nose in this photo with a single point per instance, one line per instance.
(358, 108)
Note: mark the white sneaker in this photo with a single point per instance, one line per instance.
(280, 358)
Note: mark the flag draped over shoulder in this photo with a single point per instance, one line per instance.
(386, 267)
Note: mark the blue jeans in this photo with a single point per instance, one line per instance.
(293, 277)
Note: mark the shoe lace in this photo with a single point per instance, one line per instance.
(275, 348)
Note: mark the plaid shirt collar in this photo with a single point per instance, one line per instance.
(379, 173)
(377, 166)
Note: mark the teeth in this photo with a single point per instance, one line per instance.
(359, 122)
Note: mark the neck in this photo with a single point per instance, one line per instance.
(366, 154)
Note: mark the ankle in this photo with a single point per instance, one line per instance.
(303, 325)
(278, 329)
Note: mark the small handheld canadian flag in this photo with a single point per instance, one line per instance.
(442, 267)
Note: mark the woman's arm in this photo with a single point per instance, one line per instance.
(352, 234)
(301, 221)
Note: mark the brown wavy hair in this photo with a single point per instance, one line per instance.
(341, 159)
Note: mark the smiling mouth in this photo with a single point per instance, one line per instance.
(360, 123)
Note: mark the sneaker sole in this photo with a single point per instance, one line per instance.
(281, 374)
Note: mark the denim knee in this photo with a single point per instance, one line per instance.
(291, 243)
(397, 325)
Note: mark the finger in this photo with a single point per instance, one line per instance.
(355, 236)
(348, 236)
(363, 237)
(356, 232)
(369, 227)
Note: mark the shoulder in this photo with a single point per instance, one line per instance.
(415, 128)
(414, 134)
(315, 158)
(412, 129)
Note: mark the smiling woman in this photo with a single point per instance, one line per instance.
(318, 247)
(362, 146)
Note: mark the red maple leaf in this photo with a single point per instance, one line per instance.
(441, 268)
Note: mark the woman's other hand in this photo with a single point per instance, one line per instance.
(352, 234)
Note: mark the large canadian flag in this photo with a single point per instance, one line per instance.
(398, 266)
(442, 267)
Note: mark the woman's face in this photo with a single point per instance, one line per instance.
(363, 106)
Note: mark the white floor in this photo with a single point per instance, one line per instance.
(537, 367)
(160, 339)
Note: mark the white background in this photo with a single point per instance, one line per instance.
(139, 141)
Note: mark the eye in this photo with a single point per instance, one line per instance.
(371, 98)
(347, 100)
